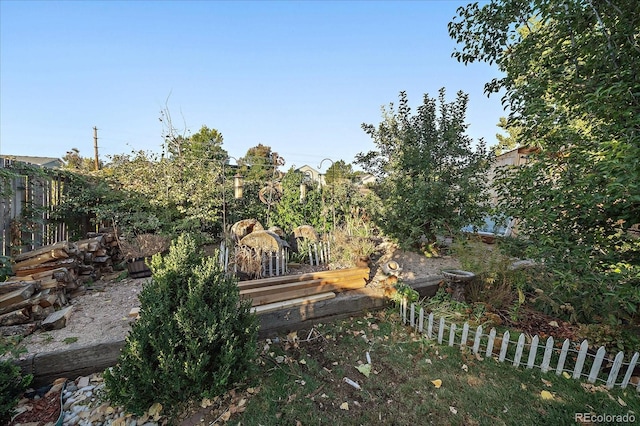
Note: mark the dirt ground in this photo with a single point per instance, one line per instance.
(102, 313)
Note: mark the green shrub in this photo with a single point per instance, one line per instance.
(12, 384)
(194, 338)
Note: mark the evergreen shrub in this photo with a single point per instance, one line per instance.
(194, 338)
(12, 386)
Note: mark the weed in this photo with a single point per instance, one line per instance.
(70, 340)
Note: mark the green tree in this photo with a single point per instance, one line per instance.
(431, 179)
(260, 163)
(571, 82)
(292, 211)
(339, 170)
(510, 140)
(72, 160)
(194, 339)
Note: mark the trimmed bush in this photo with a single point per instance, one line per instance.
(12, 386)
(194, 338)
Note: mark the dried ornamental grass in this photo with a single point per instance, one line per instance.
(144, 245)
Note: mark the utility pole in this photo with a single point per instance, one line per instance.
(96, 164)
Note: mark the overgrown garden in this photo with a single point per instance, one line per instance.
(571, 86)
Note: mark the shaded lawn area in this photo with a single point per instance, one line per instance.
(300, 380)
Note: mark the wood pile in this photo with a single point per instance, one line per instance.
(276, 292)
(46, 278)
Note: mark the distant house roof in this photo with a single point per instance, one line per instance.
(49, 162)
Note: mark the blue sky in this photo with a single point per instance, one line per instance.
(300, 77)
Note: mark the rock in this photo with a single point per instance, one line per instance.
(82, 382)
(58, 319)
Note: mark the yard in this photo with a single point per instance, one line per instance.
(302, 379)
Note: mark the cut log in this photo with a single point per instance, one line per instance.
(58, 319)
(9, 286)
(66, 263)
(50, 283)
(39, 313)
(16, 296)
(18, 330)
(270, 307)
(48, 299)
(43, 258)
(91, 244)
(20, 316)
(62, 245)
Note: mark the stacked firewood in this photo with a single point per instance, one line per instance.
(46, 278)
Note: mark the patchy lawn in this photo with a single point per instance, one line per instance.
(301, 380)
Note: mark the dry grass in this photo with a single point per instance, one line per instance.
(248, 261)
(144, 245)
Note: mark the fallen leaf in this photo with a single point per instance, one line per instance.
(293, 336)
(303, 361)
(155, 409)
(547, 383)
(479, 357)
(279, 359)
(206, 402)
(621, 402)
(437, 383)
(364, 369)
(566, 375)
(523, 386)
(374, 327)
(453, 410)
(546, 395)
(465, 368)
(428, 361)
(344, 406)
(554, 324)
(225, 416)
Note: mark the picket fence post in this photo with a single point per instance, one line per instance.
(582, 354)
(563, 357)
(421, 320)
(533, 351)
(615, 368)
(632, 365)
(519, 349)
(548, 351)
(452, 334)
(476, 340)
(465, 334)
(503, 348)
(413, 315)
(441, 331)
(597, 362)
(492, 338)
(430, 326)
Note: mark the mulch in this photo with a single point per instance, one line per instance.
(39, 412)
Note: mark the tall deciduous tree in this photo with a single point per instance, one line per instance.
(571, 82)
(431, 178)
(337, 171)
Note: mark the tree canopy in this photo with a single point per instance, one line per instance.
(432, 179)
(571, 83)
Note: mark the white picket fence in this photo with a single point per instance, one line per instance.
(319, 253)
(274, 263)
(571, 358)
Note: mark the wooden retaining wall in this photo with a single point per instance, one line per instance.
(74, 362)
